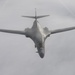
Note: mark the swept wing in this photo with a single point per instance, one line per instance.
(13, 31)
(62, 30)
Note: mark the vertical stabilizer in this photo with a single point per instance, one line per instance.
(35, 13)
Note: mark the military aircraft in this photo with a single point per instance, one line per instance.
(37, 33)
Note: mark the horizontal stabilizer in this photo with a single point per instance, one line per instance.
(42, 16)
(36, 17)
(29, 16)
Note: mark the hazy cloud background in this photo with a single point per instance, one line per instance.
(17, 53)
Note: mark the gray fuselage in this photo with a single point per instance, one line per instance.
(38, 35)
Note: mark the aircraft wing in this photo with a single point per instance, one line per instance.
(62, 30)
(13, 31)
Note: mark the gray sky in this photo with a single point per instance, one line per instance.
(17, 53)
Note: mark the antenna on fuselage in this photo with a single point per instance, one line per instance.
(36, 17)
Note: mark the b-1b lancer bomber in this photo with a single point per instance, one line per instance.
(37, 33)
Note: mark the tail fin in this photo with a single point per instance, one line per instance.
(36, 17)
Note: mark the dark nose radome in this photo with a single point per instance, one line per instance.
(41, 55)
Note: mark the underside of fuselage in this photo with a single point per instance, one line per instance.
(38, 35)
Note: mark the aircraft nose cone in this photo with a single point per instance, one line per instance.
(41, 55)
(41, 52)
